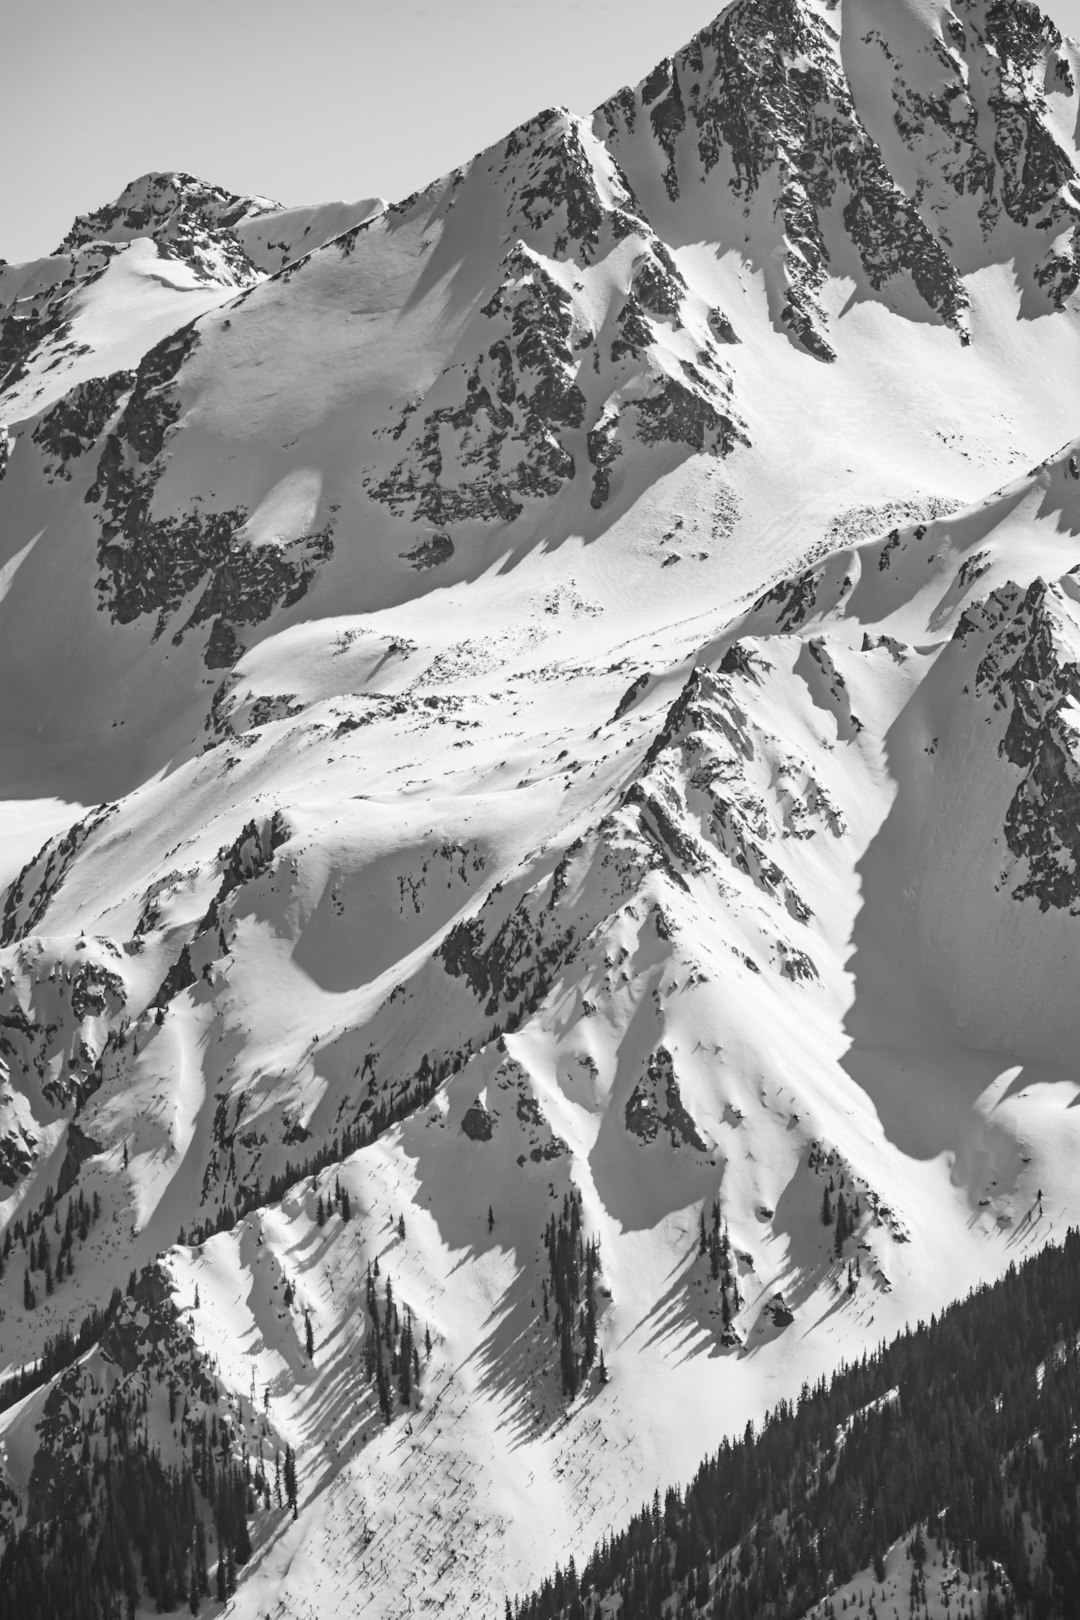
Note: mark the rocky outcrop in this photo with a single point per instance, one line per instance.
(477, 1124)
(251, 853)
(565, 192)
(38, 318)
(709, 811)
(761, 98)
(150, 564)
(500, 424)
(1031, 670)
(496, 433)
(430, 553)
(74, 425)
(188, 218)
(62, 1007)
(656, 1105)
(987, 148)
(29, 896)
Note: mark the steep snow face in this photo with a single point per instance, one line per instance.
(560, 747)
(899, 146)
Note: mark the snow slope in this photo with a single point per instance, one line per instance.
(569, 685)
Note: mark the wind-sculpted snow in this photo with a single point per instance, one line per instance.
(556, 863)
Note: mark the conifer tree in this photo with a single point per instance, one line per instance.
(842, 1232)
(290, 1479)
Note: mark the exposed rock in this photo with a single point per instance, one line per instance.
(497, 440)
(189, 220)
(778, 1313)
(1031, 677)
(150, 564)
(656, 1104)
(79, 1148)
(29, 896)
(430, 553)
(761, 96)
(477, 1123)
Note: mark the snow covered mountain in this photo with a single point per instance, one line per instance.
(540, 762)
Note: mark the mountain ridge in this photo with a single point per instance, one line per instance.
(539, 769)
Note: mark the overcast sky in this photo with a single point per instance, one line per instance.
(304, 101)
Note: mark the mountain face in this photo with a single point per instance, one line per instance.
(539, 791)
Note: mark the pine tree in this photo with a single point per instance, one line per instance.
(320, 1213)
(405, 1360)
(917, 1547)
(309, 1337)
(842, 1232)
(242, 1548)
(290, 1479)
(826, 1209)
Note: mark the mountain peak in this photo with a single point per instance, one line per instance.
(164, 203)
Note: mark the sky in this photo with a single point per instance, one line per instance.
(299, 100)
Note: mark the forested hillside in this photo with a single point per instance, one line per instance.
(967, 1425)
